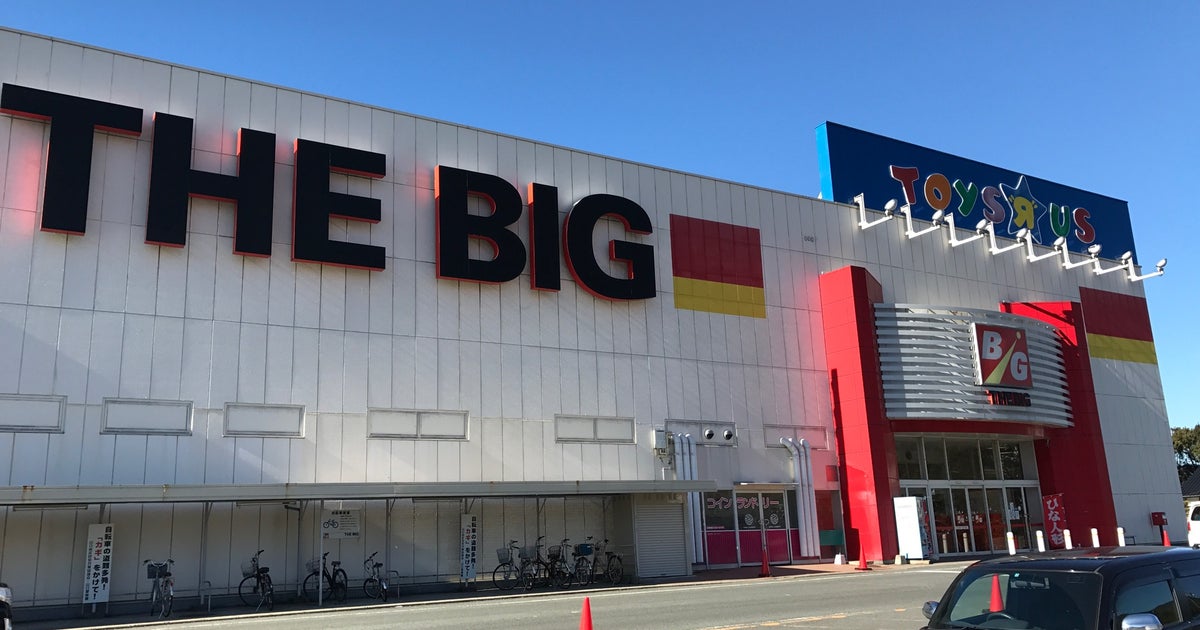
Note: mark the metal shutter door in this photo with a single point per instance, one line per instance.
(661, 550)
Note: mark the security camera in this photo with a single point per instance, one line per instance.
(708, 434)
(728, 434)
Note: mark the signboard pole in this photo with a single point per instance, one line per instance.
(320, 554)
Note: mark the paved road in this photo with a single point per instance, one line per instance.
(888, 599)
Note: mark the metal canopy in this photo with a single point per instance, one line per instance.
(170, 493)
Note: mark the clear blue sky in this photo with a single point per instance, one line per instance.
(1097, 95)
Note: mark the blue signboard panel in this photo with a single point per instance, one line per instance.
(856, 162)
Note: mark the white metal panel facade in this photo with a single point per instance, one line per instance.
(105, 315)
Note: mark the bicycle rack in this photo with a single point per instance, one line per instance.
(205, 593)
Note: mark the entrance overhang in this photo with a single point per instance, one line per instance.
(205, 493)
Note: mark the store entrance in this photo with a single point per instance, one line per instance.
(977, 489)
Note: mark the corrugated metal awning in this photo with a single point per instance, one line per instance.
(171, 493)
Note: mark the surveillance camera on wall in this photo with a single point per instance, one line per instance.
(728, 435)
(708, 434)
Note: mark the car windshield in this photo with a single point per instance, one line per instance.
(1025, 600)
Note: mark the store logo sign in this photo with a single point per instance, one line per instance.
(1002, 356)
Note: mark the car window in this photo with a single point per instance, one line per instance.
(1047, 600)
(1187, 590)
(1147, 597)
(1196, 513)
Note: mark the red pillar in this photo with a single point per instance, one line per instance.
(866, 449)
(1072, 460)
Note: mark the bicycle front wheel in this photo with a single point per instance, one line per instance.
(583, 571)
(505, 577)
(268, 592)
(310, 587)
(560, 577)
(248, 591)
(168, 602)
(371, 588)
(155, 603)
(338, 587)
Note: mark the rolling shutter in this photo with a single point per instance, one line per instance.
(659, 529)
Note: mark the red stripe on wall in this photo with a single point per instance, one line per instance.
(1115, 314)
(715, 251)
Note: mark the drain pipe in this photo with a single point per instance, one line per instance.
(694, 500)
(814, 534)
(805, 496)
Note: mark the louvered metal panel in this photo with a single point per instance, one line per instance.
(928, 365)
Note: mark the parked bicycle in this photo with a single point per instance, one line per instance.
(607, 564)
(332, 584)
(162, 594)
(559, 571)
(375, 586)
(583, 554)
(519, 566)
(256, 588)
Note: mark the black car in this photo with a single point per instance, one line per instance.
(1104, 588)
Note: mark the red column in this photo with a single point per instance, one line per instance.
(866, 449)
(1072, 460)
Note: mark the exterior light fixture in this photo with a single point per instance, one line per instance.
(889, 211)
(1093, 254)
(990, 230)
(935, 223)
(1159, 268)
(1126, 260)
(955, 241)
(1059, 244)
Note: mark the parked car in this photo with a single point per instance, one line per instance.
(1117, 588)
(5, 607)
(1193, 524)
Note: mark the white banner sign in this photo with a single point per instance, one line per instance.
(470, 544)
(97, 565)
(340, 524)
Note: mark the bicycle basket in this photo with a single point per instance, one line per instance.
(504, 555)
(247, 568)
(554, 552)
(156, 570)
(528, 552)
(312, 565)
(583, 549)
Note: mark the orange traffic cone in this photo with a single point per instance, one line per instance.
(862, 562)
(997, 603)
(1166, 538)
(765, 571)
(585, 617)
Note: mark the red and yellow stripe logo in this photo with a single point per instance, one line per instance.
(717, 267)
(1118, 326)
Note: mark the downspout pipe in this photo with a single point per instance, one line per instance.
(814, 534)
(694, 500)
(806, 499)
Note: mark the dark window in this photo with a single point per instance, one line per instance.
(935, 457)
(987, 452)
(1010, 460)
(718, 511)
(908, 457)
(963, 457)
(1153, 597)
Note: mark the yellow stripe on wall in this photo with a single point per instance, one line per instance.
(720, 297)
(1121, 349)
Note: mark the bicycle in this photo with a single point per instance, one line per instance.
(332, 585)
(375, 586)
(559, 572)
(583, 554)
(162, 594)
(611, 568)
(256, 588)
(535, 570)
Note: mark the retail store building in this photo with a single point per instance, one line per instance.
(229, 308)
